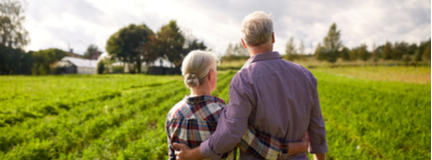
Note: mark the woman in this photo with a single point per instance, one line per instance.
(193, 119)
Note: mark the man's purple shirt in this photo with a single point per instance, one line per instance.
(275, 96)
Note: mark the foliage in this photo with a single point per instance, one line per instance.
(386, 53)
(171, 42)
(319, 55)
(374, 54)
(88, 120)
(363, 53)
(301, 49)
(12, 31)
(353, 54)
(412, 48)
(235, 52)
(90, 50)
(417, 57)
(345, 54)
(100, 67)
(427, 53)
(290, 50)
(364, 121)
(44, 61)
(174, 44)
(125, 44)
(332, 44)
(15, 61)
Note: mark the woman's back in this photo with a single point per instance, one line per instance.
(192, 121)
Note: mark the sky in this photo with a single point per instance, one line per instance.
(78, 23)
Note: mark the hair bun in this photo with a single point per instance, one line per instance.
(191, 80)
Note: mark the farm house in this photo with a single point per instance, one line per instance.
(77, 65)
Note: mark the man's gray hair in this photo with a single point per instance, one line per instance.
(257, 28)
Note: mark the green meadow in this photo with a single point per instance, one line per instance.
(122, 116)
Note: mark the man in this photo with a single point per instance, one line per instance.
(272, 95)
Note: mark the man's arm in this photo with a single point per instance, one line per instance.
(195, 154)
(263, 146)
(233, 121)
(316, 129)
(319, 156)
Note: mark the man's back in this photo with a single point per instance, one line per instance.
(284, 99)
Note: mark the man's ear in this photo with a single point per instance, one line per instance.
(273, 39)
(244, 44)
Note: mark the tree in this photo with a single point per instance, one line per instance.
(15, 61)
(301, 49)
(386, 53)
(363, 53)
(126, 44)
(423, 45)
(427, 53)
(332, 44)
(353, 54)
(345, 54)
(374, 54)
(398, 50)
(171, 42)
(236, 52)
(417, 57)
(12, 32)
(100, 67)
(290, 50)
(229, 52)
(319, 52)
(412, 49)
(90, 50)
(44, 61)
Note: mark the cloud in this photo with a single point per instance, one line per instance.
(53, 23)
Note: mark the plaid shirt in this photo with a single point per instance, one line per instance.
(192, 121)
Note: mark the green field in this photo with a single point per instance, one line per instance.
(122, 116)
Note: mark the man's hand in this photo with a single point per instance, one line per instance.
(186, 153)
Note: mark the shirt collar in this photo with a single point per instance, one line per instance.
(265, 56)
(204, 98)
(262, 57)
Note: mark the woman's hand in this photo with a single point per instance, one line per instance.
(186, 153)
(298, 147)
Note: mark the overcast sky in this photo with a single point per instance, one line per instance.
(79, 23)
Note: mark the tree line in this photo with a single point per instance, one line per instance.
(331, 49)
(133, 44)
(136, 44)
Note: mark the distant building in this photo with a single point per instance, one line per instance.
(160, 66)
(95, 55)
(77, 65)
(71, 54)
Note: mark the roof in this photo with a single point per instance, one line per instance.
(79, 62)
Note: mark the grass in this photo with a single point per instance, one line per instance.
(369, 112)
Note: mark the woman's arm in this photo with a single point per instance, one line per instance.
(264, 146)
(298, 147)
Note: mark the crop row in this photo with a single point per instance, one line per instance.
(34, 99)
(73, 133)
(387, 120)
(143, 137)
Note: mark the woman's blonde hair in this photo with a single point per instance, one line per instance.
(257, 28)
(196, 65)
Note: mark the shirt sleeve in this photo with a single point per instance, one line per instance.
(316, 129)
(232, 122)
(171, 155)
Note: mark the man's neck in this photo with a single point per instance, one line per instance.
(259, 49)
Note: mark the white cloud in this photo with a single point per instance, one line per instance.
(53, 23)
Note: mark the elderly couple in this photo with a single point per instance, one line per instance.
(273, 112)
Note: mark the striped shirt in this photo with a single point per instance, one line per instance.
(193, 119)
